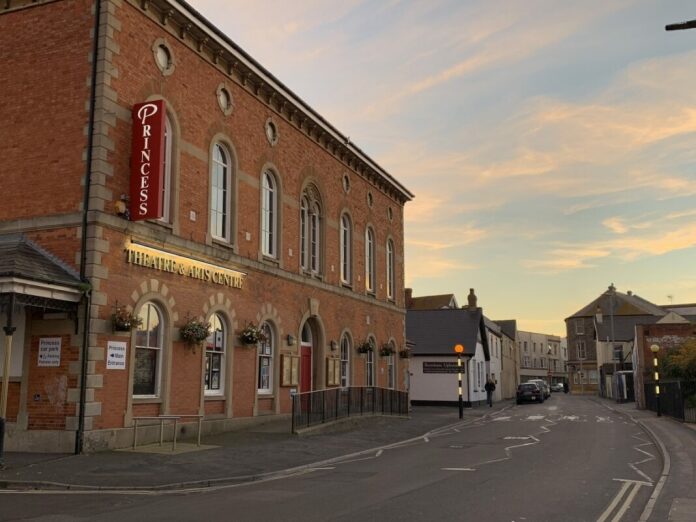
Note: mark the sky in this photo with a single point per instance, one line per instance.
(550, 145)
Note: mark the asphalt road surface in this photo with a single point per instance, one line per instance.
(568, 459)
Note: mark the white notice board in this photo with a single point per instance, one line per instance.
(49, 352)
(116, 355)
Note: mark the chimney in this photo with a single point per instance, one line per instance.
(408, 297)
(472, 299)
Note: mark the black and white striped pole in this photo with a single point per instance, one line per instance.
(459, 349)
(655, 348)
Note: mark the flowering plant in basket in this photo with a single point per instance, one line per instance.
(386, 350)
(365, 347)
(123, 320)
(195, 331)
(251, 334)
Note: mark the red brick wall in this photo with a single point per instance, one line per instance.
(12, 400)
(44, 69)
(47, 397)
(214, 408)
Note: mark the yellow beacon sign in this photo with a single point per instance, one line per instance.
(162, 261)
(459, 348)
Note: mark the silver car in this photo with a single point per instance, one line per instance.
(543, 385)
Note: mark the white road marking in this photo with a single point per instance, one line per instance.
(458, 469)
(552, 408)
(516, 438)
(614, 502)
(535, 417)
(603, 419)
(426, 439)
(319, 469)
(379, 453)
(570, 417)
(502, 418)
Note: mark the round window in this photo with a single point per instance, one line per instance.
(164, 58)
(271, 132)
(224, 99)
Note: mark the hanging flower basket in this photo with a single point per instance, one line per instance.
(386, 350)
(405, 353)
(123, 320)
(251, 335)
(365, 347)
(194, 332)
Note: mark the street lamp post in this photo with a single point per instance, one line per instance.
(459, 349)
(654, 349)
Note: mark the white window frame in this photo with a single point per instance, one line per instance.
(265, 354)
(314, 238)
(391, 368)
(144, 314)
(304, 232)
(370, 363)
(269, 214)
(579, 326)
(215, 345)
(220, 192)
(370, 260)
(345, 249)
(390, 269)
(345, 360)
(581, 350)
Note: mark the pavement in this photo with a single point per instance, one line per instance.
(245, 455)
(270, 450)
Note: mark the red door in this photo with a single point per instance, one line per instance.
(306, 368)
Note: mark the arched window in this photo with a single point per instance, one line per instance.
(149, 340)
(220, 193)
(390, 269)
(345, 248)
(167, 171)
(391, 368)
(369, 260)
(370, 363)
(345, 361)
(266, 349)
(310, 230)
(269, 215)
(306, 334)
(215, 356)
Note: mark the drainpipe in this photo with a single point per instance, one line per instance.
(79, 435)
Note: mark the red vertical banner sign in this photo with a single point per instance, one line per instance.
(147, 161)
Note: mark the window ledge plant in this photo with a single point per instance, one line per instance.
(124, 320)
(405, 353)
(251, 334)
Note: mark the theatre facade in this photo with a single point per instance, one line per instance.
(161, 182)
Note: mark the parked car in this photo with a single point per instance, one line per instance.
(529, 392)
(543, 385)
(557, 387)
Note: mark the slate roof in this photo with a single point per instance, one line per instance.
(436, 332)
(22, 258)
(493, 326)
(432, 302)
(509, 327)
(623, 304)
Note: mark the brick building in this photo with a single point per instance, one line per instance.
(265, 216)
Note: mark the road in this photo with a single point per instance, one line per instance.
(568, 459)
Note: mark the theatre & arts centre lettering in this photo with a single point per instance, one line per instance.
(156, 259)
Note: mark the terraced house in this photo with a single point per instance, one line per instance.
(157, 178)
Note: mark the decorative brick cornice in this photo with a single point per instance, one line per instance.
(190, 27)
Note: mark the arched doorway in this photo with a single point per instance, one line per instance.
(306, 358)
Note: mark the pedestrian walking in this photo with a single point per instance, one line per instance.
(565, 386)
(490, 388)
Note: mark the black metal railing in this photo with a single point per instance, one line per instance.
(322, 406)
(672, 397)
